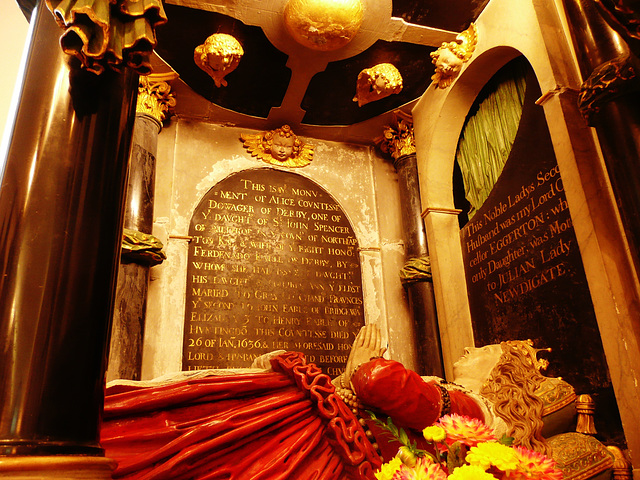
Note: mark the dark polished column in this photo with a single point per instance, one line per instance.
(610, 101)
(416, 275)
(127, 335)
(61, 207)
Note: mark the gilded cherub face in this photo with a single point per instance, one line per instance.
(219, 62)
(448, 63)
(282, 147)
(380, 83)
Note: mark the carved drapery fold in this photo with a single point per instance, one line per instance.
(624, 17)
(287, 423)
(142, 248)
(109, 33)
(489, 132)
(416, 270)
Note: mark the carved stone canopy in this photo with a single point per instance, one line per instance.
(109, 33)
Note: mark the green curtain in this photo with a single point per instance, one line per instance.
(489, 132)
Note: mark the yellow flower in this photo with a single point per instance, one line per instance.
(407, 456)
(388, 470)
(470, 472)
(434, 433)
(493, 454)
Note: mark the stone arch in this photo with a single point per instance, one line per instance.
(437, 134)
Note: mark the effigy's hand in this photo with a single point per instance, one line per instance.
(367, 345)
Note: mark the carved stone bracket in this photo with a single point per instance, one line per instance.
(610, 80)
(154, 98)
(109, 33)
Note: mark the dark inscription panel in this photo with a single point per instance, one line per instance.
(523, 265)
(273, 264)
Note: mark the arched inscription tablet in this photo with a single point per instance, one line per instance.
(273, 264)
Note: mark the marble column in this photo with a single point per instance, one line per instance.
(61, 210)
(416, 275)
(609, 100)
(125, 354)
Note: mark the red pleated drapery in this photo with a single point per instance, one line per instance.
(285, 424)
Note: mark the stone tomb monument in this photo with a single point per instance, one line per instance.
(524, 269)
(273, 264)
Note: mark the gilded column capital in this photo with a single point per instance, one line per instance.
(154, 98)
(398, 139)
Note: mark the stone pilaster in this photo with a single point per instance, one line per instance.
(398, 142)
(125, 357)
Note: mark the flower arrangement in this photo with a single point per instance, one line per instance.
(463, 449)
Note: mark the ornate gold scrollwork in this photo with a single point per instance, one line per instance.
(154, 98)
(109, 33)
(279, 147)
(451, 56)
(608, 81)
(580, 457)
(398, 140)
(377, 82)
(219, 55)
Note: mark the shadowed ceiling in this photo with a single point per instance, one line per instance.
(280, 81)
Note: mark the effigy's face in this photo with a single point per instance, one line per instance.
(282, 147)
(478, 362)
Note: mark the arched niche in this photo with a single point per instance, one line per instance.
(437, 133)
(507, 28)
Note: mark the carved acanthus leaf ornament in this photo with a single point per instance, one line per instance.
(154, 98)
(397, 139)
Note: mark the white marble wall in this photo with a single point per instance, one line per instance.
(194, 156)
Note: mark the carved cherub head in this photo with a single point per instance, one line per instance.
(451, 56)
(377, 82)
(279, 147)
(219, 55)
(282, 143)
